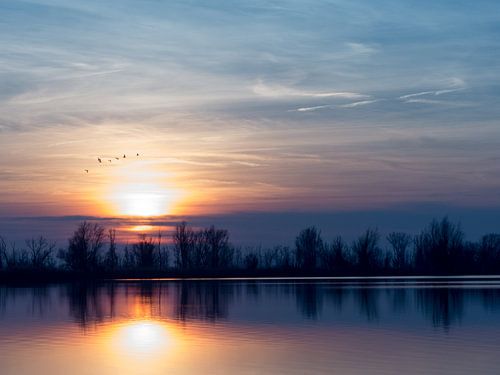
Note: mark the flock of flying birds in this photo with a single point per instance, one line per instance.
(100, 160)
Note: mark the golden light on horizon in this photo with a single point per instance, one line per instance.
(142, 228)
(139, 189)
(140, 200)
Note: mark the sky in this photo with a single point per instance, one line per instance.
(257, 109)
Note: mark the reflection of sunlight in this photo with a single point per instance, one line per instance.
(142, 228)
(146, 337)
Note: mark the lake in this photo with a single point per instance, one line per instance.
(299, 326)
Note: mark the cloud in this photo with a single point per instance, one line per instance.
(332, 106)
(277, 91)
(315, 108)
(424, 101)
(454, 84)
(357, 104)
(416, 94)
(361, 49)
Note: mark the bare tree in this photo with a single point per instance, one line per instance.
(15, 258)
(284, 257)
(200, 252)
(84, 247)
(3, 252)
(183, 239)
(399, 242)
(367, 251)
(144, 252)
(220, 252)
(308, 245)
(439, 247)
(489, 253)
(251, 261)
(162, 255)
(334, 256)
(40, 252)
(128, 258)
(111, 258)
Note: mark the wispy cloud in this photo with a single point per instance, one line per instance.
(454, 84)
(279, 91)
(315, 108)
(357, 104)
(332, 106)
(425, 101)
(408, 96)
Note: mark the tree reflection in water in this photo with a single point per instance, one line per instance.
(90, 304)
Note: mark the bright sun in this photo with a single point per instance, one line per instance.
(144, 200)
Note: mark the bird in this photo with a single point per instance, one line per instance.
(86, 170)
(117, 158)
(137, 154)
(99, 160)
(109, 160)
(124, 156)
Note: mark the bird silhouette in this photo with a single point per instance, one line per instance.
(99, 160)
(109, 160)
(124, 156)
(117, 158)
(86, 170)
(137, 154)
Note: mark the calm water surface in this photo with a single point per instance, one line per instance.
(252, 327)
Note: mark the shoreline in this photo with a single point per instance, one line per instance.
(26, 277)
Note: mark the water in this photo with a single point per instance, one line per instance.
(352, 326)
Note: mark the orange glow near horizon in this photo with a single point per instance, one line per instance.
(141, 228)
(144, 200)
(139, 190)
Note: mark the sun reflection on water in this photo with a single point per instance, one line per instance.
(144, 337)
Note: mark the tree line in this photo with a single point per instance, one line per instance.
(439, 249)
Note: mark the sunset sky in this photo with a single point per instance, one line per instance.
(257, 108)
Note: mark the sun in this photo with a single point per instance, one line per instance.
(144, 204)
(144, 200)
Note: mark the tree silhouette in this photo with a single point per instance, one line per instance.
(488, 256)
(183, 239)
(111, 258)
(334, 256)
(399, 242)
(84, 247)
(40, 252)
(367, 252)
(144, 252)
(308, 245)
(439, 248)
(3, 252)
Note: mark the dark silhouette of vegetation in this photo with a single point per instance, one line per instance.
(37, 256)
(144, 252)
(439, 249)
(308, 245)
(400, 243)
(83, 253)
(201, 249)
(111, 258)
(367, 252)
(40, 252)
